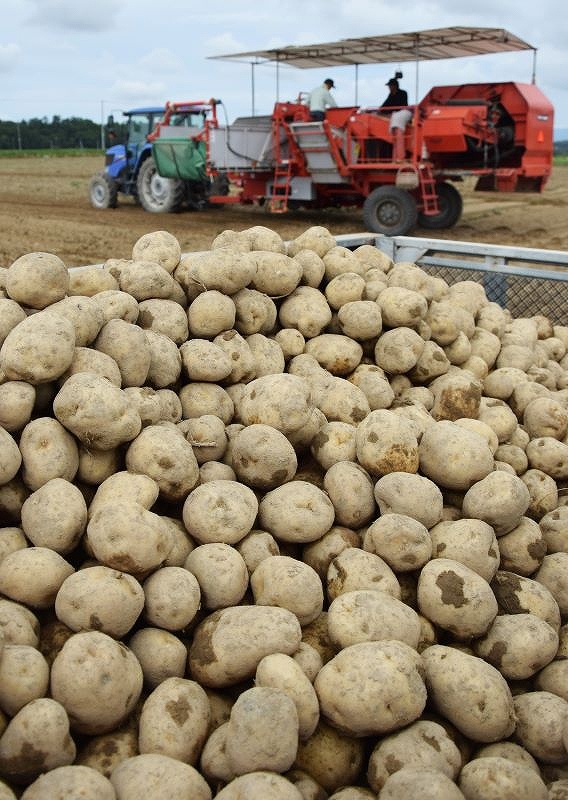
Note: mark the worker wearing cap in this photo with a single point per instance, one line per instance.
(320, 98)
(399, 117)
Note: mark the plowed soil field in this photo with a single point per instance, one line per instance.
(44, 206)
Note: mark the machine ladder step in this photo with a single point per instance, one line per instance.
(428, 192)
(281, 187)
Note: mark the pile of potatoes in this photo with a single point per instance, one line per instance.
(280, 521)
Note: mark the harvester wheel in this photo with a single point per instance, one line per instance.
(450, 204)
(103, 191)
(390, 210)
(157, 193)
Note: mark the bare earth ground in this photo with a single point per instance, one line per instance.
(44, 206)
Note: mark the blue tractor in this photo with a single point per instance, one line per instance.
(134, 169)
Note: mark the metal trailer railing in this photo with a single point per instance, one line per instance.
(539, 288)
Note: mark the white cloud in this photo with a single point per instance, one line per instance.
(129, 92)
(9, 55)
(225, 43)
(161, 60)
(72, 15)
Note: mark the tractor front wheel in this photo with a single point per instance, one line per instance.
(157, 193)
(103, 191)
(450, 204)
(390, 210)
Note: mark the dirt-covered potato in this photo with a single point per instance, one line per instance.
(99, 598)
(37, 280)
(350, 490)
(553, 574)
(159, 246)
(221, 573)
(500, 499)
(402, 307)
(423, 744)
(541, 721)
(71, 781)
(180, 736)
(229, 644)
(354, 569)
(518, 645)
(33, 576)
(84, 313)
(167, 457)
(10, 458)
(39, 349)
(365, 615)
(499, 778)
(153, 774)
(386, 443)
(262, 457)
(288, 583)
(55, 516)
(403, 542)
(516, 594)
(24, 676)
(398, 350)
(11, 314)
(296, 511)
(453, 457)
(330, 757)
(469, 693)
(161, 655)
(386, 689)
(96, 412)
(220, 511)
(471, 542)
(456, 598)
(411, 495)
(305, 310)
(36, 740)
(97, 680)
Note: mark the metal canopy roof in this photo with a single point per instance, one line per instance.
(426, 45)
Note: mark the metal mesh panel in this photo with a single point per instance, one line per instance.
(522, 296)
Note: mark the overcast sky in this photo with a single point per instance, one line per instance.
(89, 58)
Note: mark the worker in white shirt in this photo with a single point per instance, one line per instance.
(320, 98)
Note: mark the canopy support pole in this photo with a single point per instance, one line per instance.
(356, 84)
(252, 65)
(533, 79)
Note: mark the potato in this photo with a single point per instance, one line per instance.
(267, 353)
(471, 542)
(214, 763)
(24, 676)
(11, 457)
(37, 280)
(96, 412)
(402, 307)
(210, 314)
(158, 246)
(428, 784)
(343, 483)
(279, 671)
(85, 359)
(11, 314)
(453, 457)
(365, 615)
(523, 548)
(386, 443)
(403, 542)
(541, 719)
(125, 536)
(228, 645)
(469, 693)
(55, 516)
(127, 344)
(165, 360)
(180, 735)
(519, 595)
(554, 529)
(354, 569)
(18, 624)
(282, 401)
(97, 680)
(33, 576)
(255, 312)
(220, 511)
(548, 455)
(334, 442)
(202, 398)
(374, 385)
(166, 457)
(99, 598)
(456, 598)
(552, 574)
(386, 690)
(221, 573)
(36, 740)
(11, 539)
(89, 281)
(330, 757)
(423, 744)
(17, 400)
(543, 492)
(71, 781)
(268, 785)
(39, 349)
(116, 304)
(137, 488)
(297, 511)
(398, 350)
(411, 495)
(499, 499)
(262, 457)
(345, 288)
(262, 732)
(518, 645)
(288, 583)
(160, 653)
(216, 471)
(152, 775)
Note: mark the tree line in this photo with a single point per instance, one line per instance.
(40, 134)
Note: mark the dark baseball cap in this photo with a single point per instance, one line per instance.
(330, 83)
(392, 82)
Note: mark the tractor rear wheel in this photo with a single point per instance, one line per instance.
(103, 191)
(450, 204)
(390, 210)
(156, 193)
